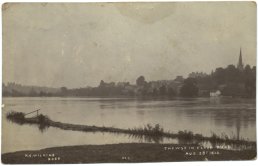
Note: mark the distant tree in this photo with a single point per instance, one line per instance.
(102, 83)
(235, 82)
(171, 92)
(162, 90)
(233, 89)
(232, 74)
(41, 93)
(205, 82)
(250, 81)
(64, 91)
(155, 92)
(32, 92)
(140, 81)
(247, 72)
(247, 69)
(219, 76)
(103, 89)
(15, 93)
(6, 93)
(254, 69)
(189, 88)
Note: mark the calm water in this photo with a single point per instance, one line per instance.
(234, 117)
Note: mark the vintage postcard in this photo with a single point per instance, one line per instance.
(128, 82)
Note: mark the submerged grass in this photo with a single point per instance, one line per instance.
(148, 129)
(18, 117)
(155, 132)
(187, 136)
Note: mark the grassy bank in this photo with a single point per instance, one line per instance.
(131, 152)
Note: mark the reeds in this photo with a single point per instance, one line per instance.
(148, 129)
(18, 117)
(43, 119)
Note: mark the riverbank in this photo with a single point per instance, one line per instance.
(129, 152)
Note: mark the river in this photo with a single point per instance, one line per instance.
(234, 117)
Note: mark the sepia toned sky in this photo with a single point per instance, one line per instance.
(77, 45)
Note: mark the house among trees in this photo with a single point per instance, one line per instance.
(235, 81)
(215, 93)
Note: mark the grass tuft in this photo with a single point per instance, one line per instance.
(18, 117)
(148, 129)
(186, 135)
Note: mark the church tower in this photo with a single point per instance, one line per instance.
(240, 65)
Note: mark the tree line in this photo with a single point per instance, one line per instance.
(229, 80)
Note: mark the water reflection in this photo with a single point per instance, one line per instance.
(146, 138)
(237, 120)
(234, 114)
(43, 127)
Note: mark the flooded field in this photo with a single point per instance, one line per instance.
(231, 116)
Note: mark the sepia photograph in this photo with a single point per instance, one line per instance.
(128, 82)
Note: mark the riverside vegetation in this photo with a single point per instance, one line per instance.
(129, 152)
(231, 81)
(153, 132)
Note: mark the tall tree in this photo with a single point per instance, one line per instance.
(189, 88)
(140, 81)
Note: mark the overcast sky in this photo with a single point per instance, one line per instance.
(77, 45)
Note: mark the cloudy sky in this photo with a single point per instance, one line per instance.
(77, 45)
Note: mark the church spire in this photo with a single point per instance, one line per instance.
(240, 64)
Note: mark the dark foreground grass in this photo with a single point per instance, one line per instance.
(119, 153)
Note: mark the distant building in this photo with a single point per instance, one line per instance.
(167, 86)
(240, 65)
(197, 74)
(215, 93)
(123, 84)
(179, 79)
(156, 85)
(129, 89)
